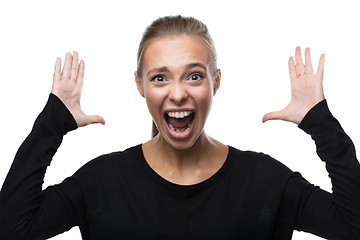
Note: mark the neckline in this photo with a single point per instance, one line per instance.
(153, 175)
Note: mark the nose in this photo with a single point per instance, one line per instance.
(178, 92)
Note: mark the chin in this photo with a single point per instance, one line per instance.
(181, 145)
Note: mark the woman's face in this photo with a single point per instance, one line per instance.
(178, 85)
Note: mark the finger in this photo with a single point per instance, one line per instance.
(74, 65)
(90, 119)
(57, 70)
(80, 74)
(308, 64)
(292, 69)
(299, 62)
(273, 116)
(67, 66)
(320, 70)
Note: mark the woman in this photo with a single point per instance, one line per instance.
(182, 184)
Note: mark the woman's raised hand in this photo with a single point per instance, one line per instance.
(67, 86)
(306, 88)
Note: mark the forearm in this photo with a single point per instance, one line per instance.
(21, 194)
(336, 149)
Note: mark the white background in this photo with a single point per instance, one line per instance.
(254, 40)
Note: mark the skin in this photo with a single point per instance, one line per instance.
(67, 86)
(198, 156)
(306, 88)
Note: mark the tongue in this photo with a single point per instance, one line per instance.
(180, 122)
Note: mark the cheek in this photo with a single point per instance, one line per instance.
(154, 99)
(203, 97)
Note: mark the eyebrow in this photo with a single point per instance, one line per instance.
(187, 67)
(160, 69)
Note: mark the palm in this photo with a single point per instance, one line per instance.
(67, 86)
(306, 89)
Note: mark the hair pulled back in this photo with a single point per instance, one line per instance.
(170, 26)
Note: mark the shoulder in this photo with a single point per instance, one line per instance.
(112, 163)
(258, 164)
(129, 154)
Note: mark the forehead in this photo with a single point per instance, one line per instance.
(175, 52)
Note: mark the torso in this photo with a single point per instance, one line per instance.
(127, 199)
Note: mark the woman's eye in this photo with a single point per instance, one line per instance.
(196, 77)
(158, 78)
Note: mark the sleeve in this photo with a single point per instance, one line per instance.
(26, 211)
(333, 215)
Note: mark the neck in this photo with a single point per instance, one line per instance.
(183, 158)
(188, 166)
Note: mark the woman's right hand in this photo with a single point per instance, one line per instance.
(67, 86)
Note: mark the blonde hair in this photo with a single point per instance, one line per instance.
(175, 26)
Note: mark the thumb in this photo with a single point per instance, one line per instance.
(90, 119)
(272, 116)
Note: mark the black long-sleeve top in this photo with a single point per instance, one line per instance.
(119, 196)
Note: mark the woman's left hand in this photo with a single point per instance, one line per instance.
(306, 88)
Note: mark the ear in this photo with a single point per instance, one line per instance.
(139, 84)
(217, 81)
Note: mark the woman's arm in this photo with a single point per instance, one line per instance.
(336, 215)
(27, 212)
(305, 207)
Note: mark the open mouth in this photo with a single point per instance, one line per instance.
(179, 122)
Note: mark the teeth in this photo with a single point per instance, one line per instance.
(179, 133)
(179, 114)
